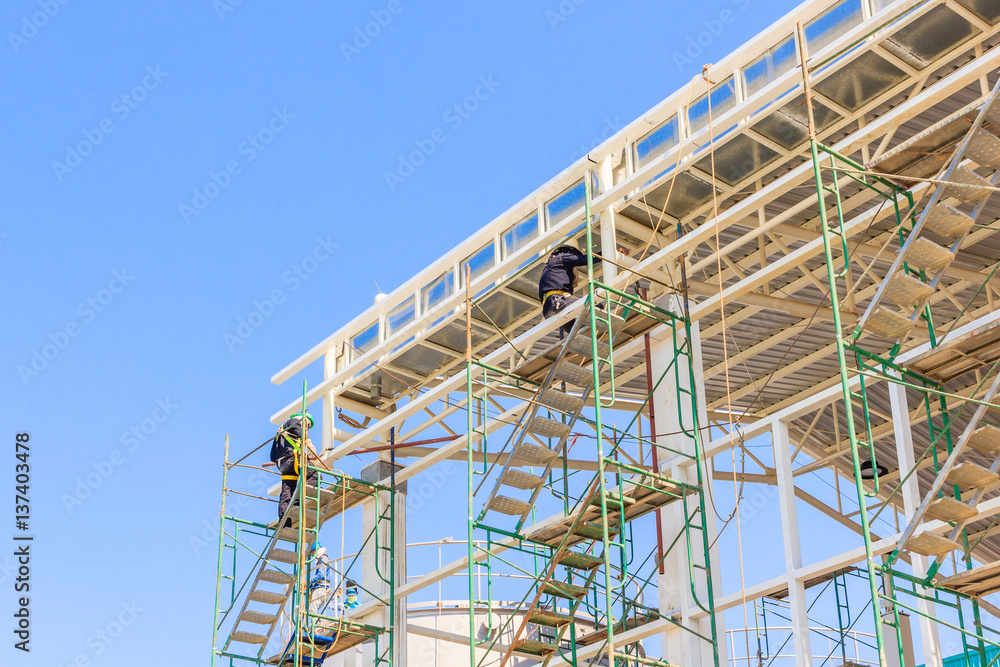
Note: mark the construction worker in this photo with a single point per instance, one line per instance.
(319, 585)
(285, 454)
(555, 287)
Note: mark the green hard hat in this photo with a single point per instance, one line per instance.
(307, 416)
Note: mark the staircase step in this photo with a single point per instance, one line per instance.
(508, 506)
(267, 597)
(521, 480)
(984, 149)
(930, 544)
(579, 561)
(249, 637)
(292, 535)
(573, 374)
(986, 439)
(534, 647)
(962, 177)
(547, 428)
(927, 255)
(908, 291)
(258, 617)
(948, 221)
(888, 323)
(993, 114)
(276, 577)
(969, 475)
(617, 322)
(313, 518)
(562, 589)
(561, 401)
(283, 556)
(594, 531)
(950, 509)
(581, 345)
(553, 619)
(534, 454)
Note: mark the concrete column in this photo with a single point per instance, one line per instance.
(329, 414)
(911, 501)
(790, 538)
(609, 240)
(378, 563)
(680, 646)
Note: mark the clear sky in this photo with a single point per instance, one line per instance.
(170, 168)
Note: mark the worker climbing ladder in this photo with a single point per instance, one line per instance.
(587, 575)
(266, 569)
(929, 235)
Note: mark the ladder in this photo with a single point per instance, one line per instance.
(917, 270)
(550, 397)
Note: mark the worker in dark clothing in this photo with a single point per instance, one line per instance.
(285, 454)
(558, 280)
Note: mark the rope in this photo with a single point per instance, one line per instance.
(737, 491)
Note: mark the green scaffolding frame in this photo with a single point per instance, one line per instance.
(244, 542)
(605, 601)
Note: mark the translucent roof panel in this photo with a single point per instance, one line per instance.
(401, 315)
(721, 99)
(565, 204)
(657, 142)
(833, 24)
(518, 236)
(481, 262)
(770, 65)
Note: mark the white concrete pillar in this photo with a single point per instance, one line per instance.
(910, 493)
(609, 240)
(329, 414)
(680, 646)
(790, 538)
(378, 563)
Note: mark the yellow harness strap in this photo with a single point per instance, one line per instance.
(545, 297)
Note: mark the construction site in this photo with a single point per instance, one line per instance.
(764, 428)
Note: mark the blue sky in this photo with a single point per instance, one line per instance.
(171, 168)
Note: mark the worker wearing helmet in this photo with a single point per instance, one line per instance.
(558, 280)
(285, 450)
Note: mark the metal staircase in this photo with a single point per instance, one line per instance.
(276, 576)
(550, 398)
(917, 270)
(271, 585)
(968, 479)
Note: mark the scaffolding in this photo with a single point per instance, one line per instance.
(273, 589)
(925, 239)
(803, 290)
(586, 567)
